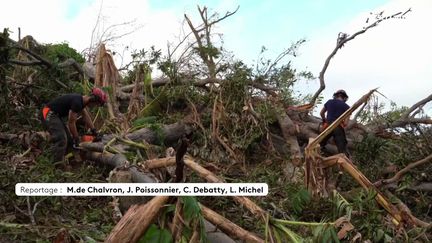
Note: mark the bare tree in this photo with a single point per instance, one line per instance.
(343, 38)
(110, 34)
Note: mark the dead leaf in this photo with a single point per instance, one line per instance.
(338, 223)
(211, 167)
(358, 236)
(346, 227)
(63, 237)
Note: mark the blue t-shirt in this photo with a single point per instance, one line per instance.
(335, 108)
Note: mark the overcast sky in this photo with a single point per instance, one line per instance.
(395, 56)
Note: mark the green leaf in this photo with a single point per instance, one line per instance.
(325, 233)
(183, 240)
(277, 235)
(156, 235)
(203, 233)
(187, 232)
(291, 234)
(334, 234)
(387, 238)
(151, 234)
(191, 208)
(379, 235)
(300, 199)
(165, 236)
(145, 120)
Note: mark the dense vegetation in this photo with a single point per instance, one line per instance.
(236, 114)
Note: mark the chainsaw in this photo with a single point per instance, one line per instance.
(91, 138)
(86, 138)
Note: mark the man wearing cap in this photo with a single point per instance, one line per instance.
(70, 106)
(335, 108)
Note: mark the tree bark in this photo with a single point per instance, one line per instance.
(289, 132)
(135, 222)
(229, 227)
(119, 160)
(167, 135)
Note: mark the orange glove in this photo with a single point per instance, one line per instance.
(87, 138)
(323, 126)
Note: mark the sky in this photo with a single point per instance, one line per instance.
(394, 56)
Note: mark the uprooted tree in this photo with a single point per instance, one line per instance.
(234, 116)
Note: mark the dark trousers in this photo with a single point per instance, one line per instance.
(339, 137)
(59, 136)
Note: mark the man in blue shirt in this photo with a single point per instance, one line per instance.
(335, 108)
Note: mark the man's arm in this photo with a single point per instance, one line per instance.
(346, 121)
(87, 119)
(72, 124)
(322, 113)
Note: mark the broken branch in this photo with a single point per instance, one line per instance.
(136, 221)
(398, 176)
(229, 227)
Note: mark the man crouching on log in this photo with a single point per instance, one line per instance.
(70, 106)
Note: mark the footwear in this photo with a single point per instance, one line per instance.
(324, 150)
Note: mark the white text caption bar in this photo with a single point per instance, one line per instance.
(141, 189)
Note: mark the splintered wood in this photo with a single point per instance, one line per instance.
(107, 75)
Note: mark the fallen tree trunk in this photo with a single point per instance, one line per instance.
(119, 160)
(168, 135)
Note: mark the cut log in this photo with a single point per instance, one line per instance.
(119, 160)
